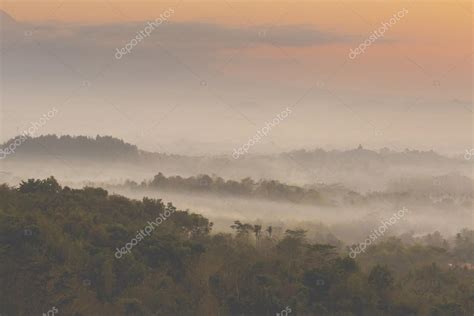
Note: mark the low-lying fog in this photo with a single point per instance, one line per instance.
(437, 191)
(354, 174)
(350, 224)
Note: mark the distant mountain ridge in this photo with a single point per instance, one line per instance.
(100, 148)
(112, 147)
(114, 159)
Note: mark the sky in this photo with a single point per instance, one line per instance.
(213, 73)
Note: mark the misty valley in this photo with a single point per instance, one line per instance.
(402, 244)
(236, 158)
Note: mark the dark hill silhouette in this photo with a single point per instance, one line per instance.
(107, 147)
(357, 169)
(80, 147)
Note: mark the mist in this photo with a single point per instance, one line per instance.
(240, 157)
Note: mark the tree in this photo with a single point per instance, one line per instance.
(381, 278)
(257, 230)
(270, 231)
(49, 185)
(242, 229)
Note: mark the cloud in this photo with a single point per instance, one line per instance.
(198, 35)
(201, 46)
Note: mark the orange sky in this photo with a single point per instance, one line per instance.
(432, 43)
(429, 20)
(446, 14)
(434, 33)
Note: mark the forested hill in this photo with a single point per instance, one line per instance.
(247, 188)
(453, 191)
(359, 169)
(98, 148)
(359, 154)
(59, 248)
(108, 147)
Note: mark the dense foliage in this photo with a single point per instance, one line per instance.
(444, 195)
(248, 188)
(57, 250)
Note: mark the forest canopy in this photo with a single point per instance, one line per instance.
(57, 249)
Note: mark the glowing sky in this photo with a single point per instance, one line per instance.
(236, 63)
